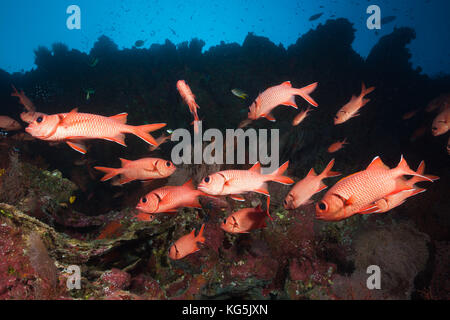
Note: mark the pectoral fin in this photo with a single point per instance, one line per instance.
(290, 103)
(269, 117)
(77, 146)
(237, 197)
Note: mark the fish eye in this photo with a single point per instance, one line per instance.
(434, 128)
(207, 179)
(285, 202)
(39, 120)
(322, 206)
(224, 221)
(336, 117)
(144, 199)
(168, 163)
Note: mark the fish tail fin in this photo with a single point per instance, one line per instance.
(189, 184)
(194, 106)
(143, 132)
(404, 169)
(421, 170)
(364, 102)
(277, 175)
(417, 191)
(110, 172)
(305, 93)
(365, 91)
(327, 173)
(200, 237)
(268, 207)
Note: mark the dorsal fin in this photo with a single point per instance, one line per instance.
(66, 120)
(124, 161)
(256, 167)
(189, 184)
(421, 168)
(287, 84)
(377, 163)
(121, 117)
(344, 178)
(311, 172)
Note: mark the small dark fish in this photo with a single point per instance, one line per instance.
(315, 16)
(173, 31)
(139, 43)
(387, 19)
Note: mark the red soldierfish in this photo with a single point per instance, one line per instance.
(189, 98)
(186, 245)
(357, 192)
(301, 116)
(142, 216)
(441, 124)
(234, 182)
(303, 190)
(274, 96)
(337, 146)
(410, 114)
(9, 124)
(159, 141)
(169, 198)
(74, 127)
(30, 115)
(394, 200)
(142, 169)
(246, 220)
(351, 108)
(441, 102)
(23, 99)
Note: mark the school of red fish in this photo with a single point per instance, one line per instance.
(376, 189)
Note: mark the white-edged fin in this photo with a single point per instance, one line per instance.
(77, 146)
(237, 197)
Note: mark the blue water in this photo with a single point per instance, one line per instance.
(25, 25)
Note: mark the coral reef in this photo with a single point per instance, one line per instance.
(54, 211)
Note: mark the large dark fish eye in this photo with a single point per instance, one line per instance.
(168, 163)
(207, 179)
(322, 205)
(39, 120)
(224, 221)
(434, 128)
(336, 117)
(285, 202)
(144, 199)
